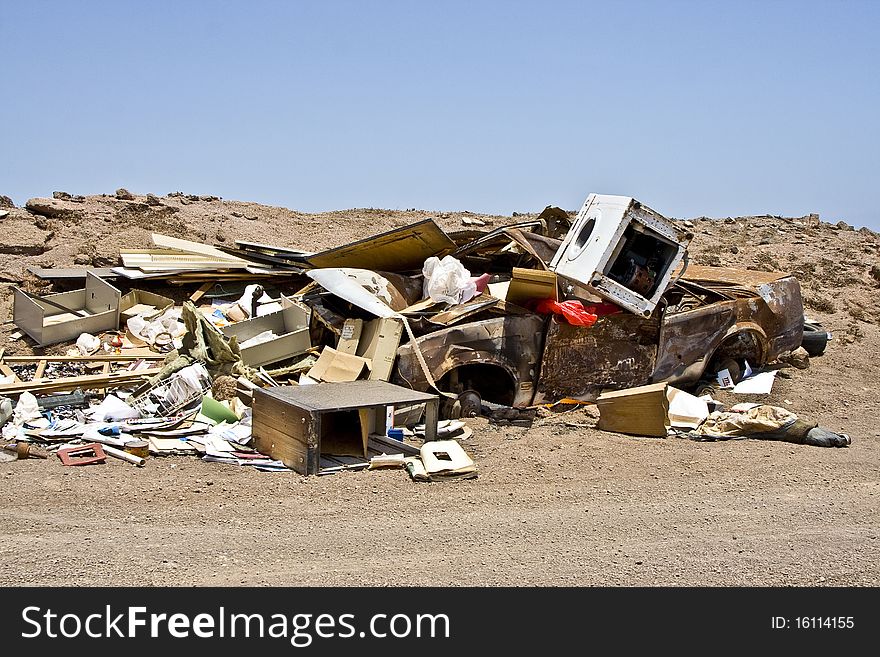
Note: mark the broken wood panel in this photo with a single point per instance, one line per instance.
(86, 382)
(96, 358)
(400, 249)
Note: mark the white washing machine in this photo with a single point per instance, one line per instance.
(623, 251)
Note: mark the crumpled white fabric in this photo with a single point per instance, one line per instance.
(447, 281)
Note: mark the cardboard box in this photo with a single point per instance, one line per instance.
(290, 325)
(93, 309)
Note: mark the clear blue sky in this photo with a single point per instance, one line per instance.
(715, 108)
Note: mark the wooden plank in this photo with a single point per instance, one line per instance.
(91, 381)
(70, 273)
(281, 446)
(396, 250)
(7, 371)
(41, 367)
(96, 358)
(167, 242)
(202, 291)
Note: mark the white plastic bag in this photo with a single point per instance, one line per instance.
(447, 281)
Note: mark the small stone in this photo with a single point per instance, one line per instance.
(124, 195)
(82, 259)
(64, 196)
(798, 358)
(152, 199)
(6, 202)
(842, 225)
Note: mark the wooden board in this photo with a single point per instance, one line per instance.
(400, 249)
(70, 273)
(91, 381)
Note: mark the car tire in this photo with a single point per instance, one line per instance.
(815, 339)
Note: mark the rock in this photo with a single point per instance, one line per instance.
(79, 198)
(192, 197)
(174, 194)
(251, 218)
(6, 202)
(798, 358)
(221, 237)
(237, 214)
(209, 198)
(468, 221)
(730, 220)
(688, 224)
(152, 199)
(20, 236)
(734, 249)
(62, 196)
(42, 223)
(82, 259)
(842, 225)
(875, 272)
(124, 195)
(47, 207)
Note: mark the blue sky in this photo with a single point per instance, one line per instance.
(695, 108)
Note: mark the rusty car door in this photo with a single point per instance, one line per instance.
(618, 351)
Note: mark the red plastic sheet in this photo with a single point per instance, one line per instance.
(572, 311)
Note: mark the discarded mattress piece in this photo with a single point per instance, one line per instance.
(768, 422)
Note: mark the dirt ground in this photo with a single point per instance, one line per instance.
(558, 504)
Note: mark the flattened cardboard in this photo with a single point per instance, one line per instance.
(400, 249)
(337, 367)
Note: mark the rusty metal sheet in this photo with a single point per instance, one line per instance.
(510, 342)
(618, 351)
(731, 276)
(690, 339)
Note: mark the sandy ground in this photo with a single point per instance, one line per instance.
(558, 504)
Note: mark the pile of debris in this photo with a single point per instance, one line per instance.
(368, 355)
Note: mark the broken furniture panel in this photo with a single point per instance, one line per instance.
(642, 411)
(623, 251)
(400, 249)
(299, 424)
(336, 367)
(285, 334)
(148, 305)
(531, 285)
(65, 315)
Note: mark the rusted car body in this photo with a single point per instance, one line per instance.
(712, 316)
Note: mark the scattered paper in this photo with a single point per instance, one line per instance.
(758, 384)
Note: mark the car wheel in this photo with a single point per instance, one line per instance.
(815, 339)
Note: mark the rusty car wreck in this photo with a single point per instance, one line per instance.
(658, 318)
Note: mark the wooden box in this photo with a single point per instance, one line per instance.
(299, 424)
